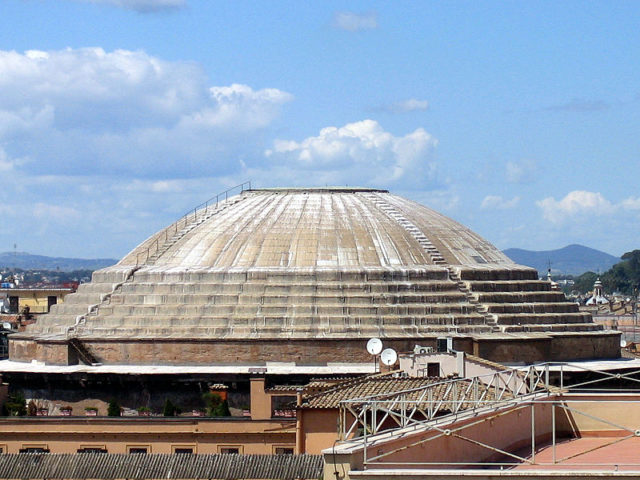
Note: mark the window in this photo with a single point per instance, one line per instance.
(51, 301)
(433, 369)
(14, 304)
(92, 450)
(34, 450)
(230, 449)
(283, 450)
(183, 450)
(139, 450)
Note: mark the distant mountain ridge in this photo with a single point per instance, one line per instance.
(570, 260)
(27, 261)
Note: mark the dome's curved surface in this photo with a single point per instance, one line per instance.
(322, 228)
(302, 265)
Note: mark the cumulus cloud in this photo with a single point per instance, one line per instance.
(355, 22)
(87, 110)
(142, 6)
(361, 152)
(521, 172)
(496, 202)
(583, 205)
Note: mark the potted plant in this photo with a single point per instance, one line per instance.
(66, 410)
(144, 411)
(91, 411)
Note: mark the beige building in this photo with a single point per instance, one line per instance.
(36, 299)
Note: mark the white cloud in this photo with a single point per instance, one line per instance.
(631, 203)
(80, 111)
(355, 22)
(496, 202)
(143, 6)
(6, 164)
(576, 205)
(521, 172)
(409, 105)
(361, 152)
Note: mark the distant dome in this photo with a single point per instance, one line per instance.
(320, 269)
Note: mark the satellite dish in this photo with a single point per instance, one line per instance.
(374, 346)
(389, 356)
(623, 343)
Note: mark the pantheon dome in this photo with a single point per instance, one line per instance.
(307, 276)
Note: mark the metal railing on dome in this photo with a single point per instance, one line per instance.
(188, 218)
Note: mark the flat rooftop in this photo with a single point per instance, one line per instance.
(272, 368)
(606, 453)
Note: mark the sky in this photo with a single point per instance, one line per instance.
(520, 120)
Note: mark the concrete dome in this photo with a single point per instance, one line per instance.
(322, 228)
(321, 269)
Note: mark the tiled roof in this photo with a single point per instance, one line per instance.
(332, 395)
(483, 361)
(183, 466)
(284, 388)
(386, 385)
(316, 384)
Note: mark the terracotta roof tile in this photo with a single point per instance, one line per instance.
(386, 386)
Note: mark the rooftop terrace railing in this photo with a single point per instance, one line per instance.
(189, 218)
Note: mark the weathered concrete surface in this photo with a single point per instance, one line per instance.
(276, 268)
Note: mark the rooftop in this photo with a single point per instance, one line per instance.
(159, 466)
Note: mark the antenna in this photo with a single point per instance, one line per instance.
(389, 356)
(374, 346)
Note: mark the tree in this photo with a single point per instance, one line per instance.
(584, 283)
(114, 409)
(15, 405)
(624, 276)
(216, 407)
(169, 409)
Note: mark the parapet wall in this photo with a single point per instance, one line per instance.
(184, 351)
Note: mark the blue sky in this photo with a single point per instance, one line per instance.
(518, 119)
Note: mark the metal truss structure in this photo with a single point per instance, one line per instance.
(439, 408)
(373, 414)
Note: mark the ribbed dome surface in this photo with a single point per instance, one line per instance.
(312, 263)
(322, 228)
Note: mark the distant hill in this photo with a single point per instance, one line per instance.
(26, 261)
(571, 260)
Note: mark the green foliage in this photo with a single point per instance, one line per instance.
(114, 409)
(216, 407)
(223, 410)
(16, 405)
(584, 283)
(169, 409)
(623, 277)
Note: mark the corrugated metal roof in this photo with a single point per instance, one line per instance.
(159, 466)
